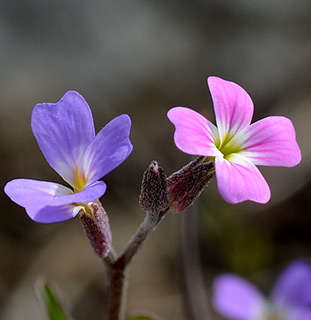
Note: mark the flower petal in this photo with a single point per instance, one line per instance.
(272, 142)
(194, 134)
(63, 131)
(109, 149)
(50, 214)
(27, 192)
(88, 194)
(236, 298)
(300, 314)
(40, 197)
(293, 286)
(233, 106)
(239, 180)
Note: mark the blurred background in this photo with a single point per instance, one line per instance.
(142, 58)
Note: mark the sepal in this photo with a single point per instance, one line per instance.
(185, 185)
(96, 226)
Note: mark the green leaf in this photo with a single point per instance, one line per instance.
(49, 298)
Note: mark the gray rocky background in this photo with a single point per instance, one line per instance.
(142, 58)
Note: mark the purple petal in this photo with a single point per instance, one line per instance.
(300, 314)
(63, 131)
(27, 192)
(272, 142)
(236, 298)
(88, 194)
(293, 286)
(109, 149)
(232, 104)
(194, 134)
(239, 180)
(50, 214)
(40, 197)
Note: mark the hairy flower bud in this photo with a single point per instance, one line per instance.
(96, 226)
(185, 185)
(154, 195)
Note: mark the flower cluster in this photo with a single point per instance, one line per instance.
(66, 136)
(237, 299)
(232, 150)
(236, 145)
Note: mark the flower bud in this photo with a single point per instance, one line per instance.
(154, 195)
(185, 185)
(96, 226)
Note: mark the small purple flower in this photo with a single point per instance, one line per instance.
(237, 299)
(66, 136)
(236, 145)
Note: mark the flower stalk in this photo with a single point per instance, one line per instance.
(117, 267)
(117, 278)
(154, 201)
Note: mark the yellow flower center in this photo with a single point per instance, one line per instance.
(80, 180)
(85, 208)
(228, 145)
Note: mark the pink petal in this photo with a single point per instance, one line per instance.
(236, 298)
(194, 134)
(272, 142)
(300, 314)
(232, 104)
(239, 180)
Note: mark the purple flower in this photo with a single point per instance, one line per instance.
(237, 299)
(66, 136)
(236, 145)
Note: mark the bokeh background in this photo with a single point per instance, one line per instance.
(142, 58)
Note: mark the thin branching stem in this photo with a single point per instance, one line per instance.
(117, 267)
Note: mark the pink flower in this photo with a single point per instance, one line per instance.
(236, 145)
